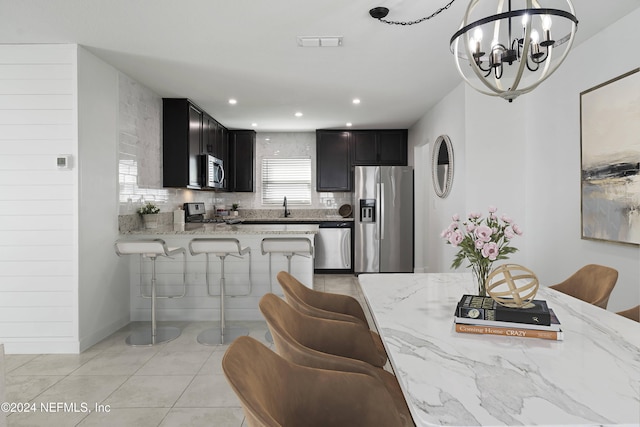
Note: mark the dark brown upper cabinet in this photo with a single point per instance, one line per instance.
(333, 161)
(181, 143)
(379, 147)
(240, 173)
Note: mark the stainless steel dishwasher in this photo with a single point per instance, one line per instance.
(333, 247)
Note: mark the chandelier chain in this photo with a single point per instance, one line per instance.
(417, 21)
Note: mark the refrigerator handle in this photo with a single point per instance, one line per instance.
(381, 213)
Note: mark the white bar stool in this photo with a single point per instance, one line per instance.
(220, 247)
(289, 247)
(152, 249)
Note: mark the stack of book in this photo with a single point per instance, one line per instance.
(482, 315)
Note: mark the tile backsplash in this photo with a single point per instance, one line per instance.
(140, 159)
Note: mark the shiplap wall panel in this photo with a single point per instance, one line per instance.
(35, 102)
(36, 237)
(38, 202)
(28, 284)
(38, 54)
(35, 117)
(44, 191)
(38, 131)
(39, 331)
(44, 71)
(37, 270)
(31, 177)
(33, 221)
(42, 314)
(38, 252)
(36, 86)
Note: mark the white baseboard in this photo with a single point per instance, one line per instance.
(97, 336)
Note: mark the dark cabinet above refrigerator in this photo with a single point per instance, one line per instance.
(379, 147)
(338, 151)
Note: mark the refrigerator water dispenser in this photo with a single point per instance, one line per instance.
(367, 210)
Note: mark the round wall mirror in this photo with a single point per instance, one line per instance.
(442, 166)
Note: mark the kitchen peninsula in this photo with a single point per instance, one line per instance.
(197, 305)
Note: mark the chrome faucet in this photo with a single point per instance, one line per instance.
(286, 211)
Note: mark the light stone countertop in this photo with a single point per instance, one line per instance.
(450, 378)
(222, 228)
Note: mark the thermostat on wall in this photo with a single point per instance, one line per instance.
(63, 161)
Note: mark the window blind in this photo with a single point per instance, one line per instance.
(286, 177)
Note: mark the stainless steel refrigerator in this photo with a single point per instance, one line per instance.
(383, 235)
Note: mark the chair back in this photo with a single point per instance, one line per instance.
(592, 283)
(292, 350)
(632, 313)
(335, 337)
(275, 392)
(320, 304)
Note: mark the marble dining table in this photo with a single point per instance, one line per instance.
(592, 377)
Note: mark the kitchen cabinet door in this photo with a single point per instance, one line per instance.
(364, 148)
(221, 147)
(181, 143)
(242, 164)
(392, 147)
(379, 147)
(333, 161)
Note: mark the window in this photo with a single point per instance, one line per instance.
(290, 178)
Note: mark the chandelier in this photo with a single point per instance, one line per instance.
(512, 51)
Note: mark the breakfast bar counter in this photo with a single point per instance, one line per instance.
(216, 229)
(247, 278)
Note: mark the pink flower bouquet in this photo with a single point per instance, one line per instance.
(481, 241)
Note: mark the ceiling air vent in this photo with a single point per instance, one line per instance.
(319, 41)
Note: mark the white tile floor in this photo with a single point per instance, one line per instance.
(179, 383)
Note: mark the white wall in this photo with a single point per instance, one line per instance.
(38, 202)
(104, 279)
(446, 118)
(556, 249)
(62, 286)
(524, 158)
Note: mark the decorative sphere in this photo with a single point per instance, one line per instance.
(512, 285)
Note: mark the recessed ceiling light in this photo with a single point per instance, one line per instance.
(254, 124)
(356, 101)
(298, 114)
(233, 101)
(349, 124)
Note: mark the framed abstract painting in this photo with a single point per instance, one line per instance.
(610, 160)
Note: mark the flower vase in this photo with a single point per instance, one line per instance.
(481, 273)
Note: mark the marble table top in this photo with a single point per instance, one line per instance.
(450, 378)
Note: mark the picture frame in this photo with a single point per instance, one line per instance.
(610, 160)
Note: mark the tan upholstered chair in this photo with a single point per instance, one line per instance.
(592, 283)
(320, 304)
(632, 313)
(325, 305)
(284, 323)
(276, 392)
(345, 339)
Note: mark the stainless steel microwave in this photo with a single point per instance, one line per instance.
(213, 172)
